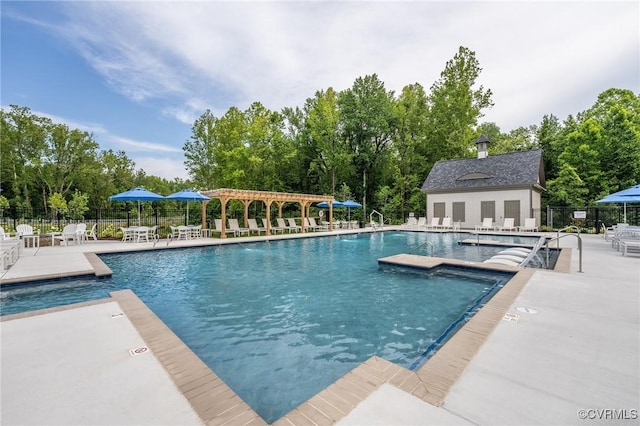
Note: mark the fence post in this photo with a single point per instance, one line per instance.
(128, 221)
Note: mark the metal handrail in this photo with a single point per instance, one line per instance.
(558, 245)
(429, 243)
(381, 218)
(564, 229)
(534, 251)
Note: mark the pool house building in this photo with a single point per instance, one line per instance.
(498, 187)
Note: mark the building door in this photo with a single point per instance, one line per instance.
(488, 209)
(438, 210)
(512, 209)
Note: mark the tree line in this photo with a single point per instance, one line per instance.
(365, 142)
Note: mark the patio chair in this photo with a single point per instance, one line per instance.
(127, 234)
(253, 227)
(422, 222)
(217, 223)
(195, 231)
(5, 235)
(68, 234)
(92, 233)
(508, 225)
(28, 236)
(282, 224)
(184, 233)
(81, 231)
(293, 226)
(314, 224)
(487, 225)
(529, 225)
(141, 234)
(233, 225)
(267, 225)
(24, 229)
(435, 222)
(446, 223)
(412, 222)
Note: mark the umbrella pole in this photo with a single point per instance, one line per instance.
(187, 212)
(138, 212)
(625, 212)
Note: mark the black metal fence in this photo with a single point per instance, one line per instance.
(553, 218)
(109, 221)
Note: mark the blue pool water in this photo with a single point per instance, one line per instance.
(280, 321)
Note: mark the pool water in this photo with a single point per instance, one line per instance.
(282, 320)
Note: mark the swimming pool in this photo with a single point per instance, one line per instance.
(280, 321)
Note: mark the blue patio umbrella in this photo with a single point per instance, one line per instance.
(629, 195)
(350, 204)
(334, 204)
(137, 194)
(187, 195)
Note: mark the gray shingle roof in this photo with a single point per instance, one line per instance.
(511, 169)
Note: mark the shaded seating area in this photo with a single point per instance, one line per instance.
(246, 197)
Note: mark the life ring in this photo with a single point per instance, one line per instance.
(320, 214)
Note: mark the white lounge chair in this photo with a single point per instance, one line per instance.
(293, 226)
(274, 229)
(314, 225)
(529, 225)
(253, 227)
(233, 225)
(412, 222)
(422, 222)
(68, 234)
(217, 223)
(435, 222)
(446, 223)
(282, 224)
(487, 225)
(508, 225)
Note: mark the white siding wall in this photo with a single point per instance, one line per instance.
(472, 204)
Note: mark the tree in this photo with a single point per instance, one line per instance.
(455, 107)
(58, 204)
(331, 153)
(366, 124)
(78, 205)
(199, 151)
(409, 167)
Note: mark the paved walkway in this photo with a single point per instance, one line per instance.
(576, 347)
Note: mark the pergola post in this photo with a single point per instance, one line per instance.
(223, 214)
(268, 203)
(204, 214)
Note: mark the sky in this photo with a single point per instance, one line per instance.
(138, 73)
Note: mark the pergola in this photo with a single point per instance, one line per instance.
(246, 197)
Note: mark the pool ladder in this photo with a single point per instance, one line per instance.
(429, 243)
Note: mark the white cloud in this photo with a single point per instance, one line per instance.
(164, 167)
(536, 56)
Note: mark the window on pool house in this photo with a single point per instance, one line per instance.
(458, 211)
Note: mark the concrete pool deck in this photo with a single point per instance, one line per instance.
(580, 350)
